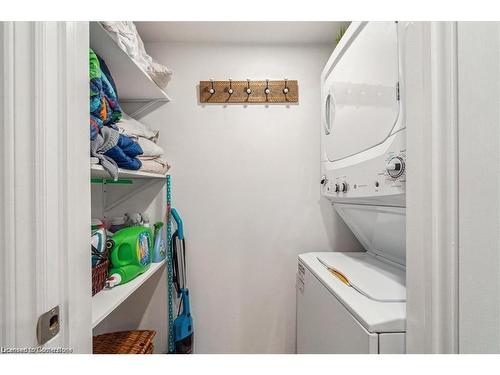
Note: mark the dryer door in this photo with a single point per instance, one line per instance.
(360, 98)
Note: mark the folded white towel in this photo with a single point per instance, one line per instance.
(134, 128)
(149, 148)
(157, 165)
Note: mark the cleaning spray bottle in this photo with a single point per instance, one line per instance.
(160, 250)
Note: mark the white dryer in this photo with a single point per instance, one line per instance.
(356, 302)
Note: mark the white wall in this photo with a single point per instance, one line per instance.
(246, 181)
(479, 184)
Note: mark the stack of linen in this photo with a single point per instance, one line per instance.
(152, 158)
(125, 34)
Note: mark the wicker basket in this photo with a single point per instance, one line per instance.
(99, 276)
(126, 342)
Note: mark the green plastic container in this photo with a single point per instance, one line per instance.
(130, 255)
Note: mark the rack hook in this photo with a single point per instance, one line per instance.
(285, 90)
(212, 90)
(230, 91)
(248, 90)
(267, 91)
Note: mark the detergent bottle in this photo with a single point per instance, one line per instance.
(130, 255)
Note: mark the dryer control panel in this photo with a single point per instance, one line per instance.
(376, 176)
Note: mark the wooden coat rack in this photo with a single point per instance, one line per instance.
(222, 92)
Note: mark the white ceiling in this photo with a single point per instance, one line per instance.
(265, 32)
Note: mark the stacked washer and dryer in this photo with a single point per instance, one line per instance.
(355, 302)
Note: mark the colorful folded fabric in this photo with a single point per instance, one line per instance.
(104, 107)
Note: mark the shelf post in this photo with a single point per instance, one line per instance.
(170, 279)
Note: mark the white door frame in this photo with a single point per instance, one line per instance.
(430, 61)
(453, 190)
(44, 184)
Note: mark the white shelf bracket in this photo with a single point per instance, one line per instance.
(129, 195)
(146, 106)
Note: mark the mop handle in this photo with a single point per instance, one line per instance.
(178, 221)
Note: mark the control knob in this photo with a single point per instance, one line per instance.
(343, 187)
(395, 167)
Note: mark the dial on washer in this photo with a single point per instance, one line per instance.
(395, 167)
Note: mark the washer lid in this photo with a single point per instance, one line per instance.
(380, 229)
(374, 291)
(369, 276)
